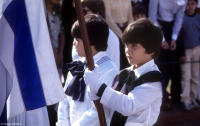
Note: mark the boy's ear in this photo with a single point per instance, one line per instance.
(151, 54)
(93, 49)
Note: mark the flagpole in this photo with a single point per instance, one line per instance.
(89, 56)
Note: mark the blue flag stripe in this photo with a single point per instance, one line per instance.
(24, 56)
(3, 116)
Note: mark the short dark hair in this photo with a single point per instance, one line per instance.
(96, 6)
(194, 0)
(139, 9)
(97, 31)
(144, 32)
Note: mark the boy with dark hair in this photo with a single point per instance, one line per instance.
(168, 14)
(97, 7)
(136, 95)
(139, 11)
(77, 109)
(190, 40)
(96, 38)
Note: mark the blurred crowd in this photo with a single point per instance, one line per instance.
(179, 58)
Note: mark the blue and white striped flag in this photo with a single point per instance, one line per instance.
(28, 75)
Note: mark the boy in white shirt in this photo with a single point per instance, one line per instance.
(136, 95)
(77, 109)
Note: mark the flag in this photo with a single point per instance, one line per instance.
(28, 75)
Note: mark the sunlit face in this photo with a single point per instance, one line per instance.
(136, 54)
(191, 7)
(78, 43)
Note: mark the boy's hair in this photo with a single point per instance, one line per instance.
(144, 32)
(139, 9)
(96, 6)
(194, 0)
(97, 31)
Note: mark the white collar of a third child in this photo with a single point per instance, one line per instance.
(98, 56)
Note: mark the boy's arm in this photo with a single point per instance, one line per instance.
(138, 99)
(109, 20)
(178, 22)
(153, 11)
(130, 14)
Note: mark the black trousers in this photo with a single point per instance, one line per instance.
(169, 66)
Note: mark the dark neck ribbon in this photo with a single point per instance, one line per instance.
(76, 87)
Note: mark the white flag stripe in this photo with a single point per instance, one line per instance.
(48, 74)
(37, 21)
(3, 86)
(3, 6)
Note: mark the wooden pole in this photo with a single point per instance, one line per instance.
(89, 56)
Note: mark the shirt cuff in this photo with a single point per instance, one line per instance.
(174, 37)
(107, 96)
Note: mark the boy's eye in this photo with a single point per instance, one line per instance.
(134, 48)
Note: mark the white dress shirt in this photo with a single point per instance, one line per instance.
(141, 105)
(113, 50)
(76, 113)
(168, 10)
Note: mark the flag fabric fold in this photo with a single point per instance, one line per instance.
(29, 77)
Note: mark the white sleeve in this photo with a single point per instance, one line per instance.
(63, 107)
(113, 50)
(91, 118)
(138, 99)
(153, 11)
(63, 113)
(178, 22)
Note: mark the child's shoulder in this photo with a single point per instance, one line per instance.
(198, 16)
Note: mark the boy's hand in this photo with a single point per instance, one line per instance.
(92, 79)
(165, 45)
(173, 45)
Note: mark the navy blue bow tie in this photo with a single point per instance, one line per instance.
(76, 87)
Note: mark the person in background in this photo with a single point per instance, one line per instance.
(57, 38)
(68, 16)
(168, 14)
(145, 3)
(56, 32)
(190, 68)
(118, 16)
(139, 11)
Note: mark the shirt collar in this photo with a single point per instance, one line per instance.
(98, 56)
(144, 68)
